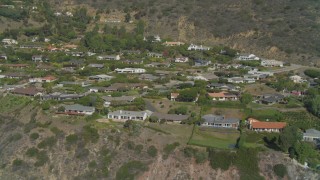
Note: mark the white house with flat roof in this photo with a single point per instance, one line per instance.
(129, 115)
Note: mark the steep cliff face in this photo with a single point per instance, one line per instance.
(286, 29)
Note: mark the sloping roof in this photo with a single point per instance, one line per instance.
(268, 125)
(312, 133)
(31, 91)
(219, 119)
(170, 117)
(129, 113)
(221, 94)
(78, 107)
(122, 98)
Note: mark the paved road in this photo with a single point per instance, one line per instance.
(288, 68)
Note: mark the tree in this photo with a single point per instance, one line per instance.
(127, 17)
(246, 98)
(289, 137)
(188, 95)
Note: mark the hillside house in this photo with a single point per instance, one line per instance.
(17, 66)
(311, 135)
(248, 57)
(217, 121)
(39, 58)
(109, 57)
(223, 87)
(173, 43)
(174, 96)
(155, 55)
(108, 100)
(130, 70)
(270, 99)
(260, 126)
(129, 115)
(30, 91)
(61, 96)
(223, 96)
(181, 60)
(132, 61)
(200, 63)
(98, 66)
(148, 77)
(198, 48)
(3, 56)
(9, 41)
(174, 118)
(271, 63)
(77, 109)
(46, 79)
(101, 77)
(297, 79)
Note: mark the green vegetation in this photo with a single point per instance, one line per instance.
(152, 151)
(42, 158)
(169, 149)
(138, 148)
(280, 170)
(129, 170)
(245, 159)
(32, 152)
(90, 134)
(209, 137)
(179, 110)
(14, 137)
(47, 142)
(200, 156)
(34, 136)
(313, 73)
(11, 102)
(72, 139)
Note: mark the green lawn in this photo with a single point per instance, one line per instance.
(177, 131)
(214, 137)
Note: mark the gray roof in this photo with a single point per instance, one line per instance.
(78, 107)
(96, 65)
(130, 113)
(122, 98)
(312, 133)
(219, 119)
(170, 117)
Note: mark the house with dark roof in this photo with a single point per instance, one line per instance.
(101, 77)
(223, 87)
(108, 100)
(270, 99)
(311, 135)
(30, 91)
(211, 120)
(98, 66)
(200, 63)
(77, 109)
(170, 117)
(260, 126)
(61, 96)
(129, 61)
(148, 77)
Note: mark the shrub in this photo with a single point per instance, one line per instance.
(221, 159)
(201, 157)
(81, 153)
(152, 151)
(92, 165)
(130, 145)
(90, 134)
(42, 158)
(32, 152)
(17, 162)
(138, 148)
(169, 149)
(57, 132)
(34, 136)
(14, 137)
(280, 170)
(72, 139)
(130, 170)
(47, 142)
(189, 152)
(45, 106)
